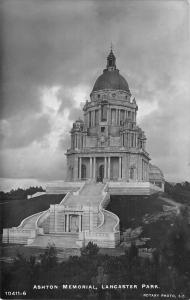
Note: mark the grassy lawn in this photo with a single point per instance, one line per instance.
(13, 212)
(131, 209)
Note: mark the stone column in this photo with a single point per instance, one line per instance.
(94, 175)
(116, 116)
(75, 140)
(119, 168)
(127, 167)
(105, 167)
(109, 115)
(90, 167)
(78, 141)
(80, 164)
(108, 167)
(67, 223)
(94, 118)
(119, 116)
(99, 114)
(80, 223)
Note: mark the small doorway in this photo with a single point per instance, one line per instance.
(74, 223)
(101, 173)
(83, 172)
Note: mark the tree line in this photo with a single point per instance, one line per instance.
(19, 194)
(179, 191)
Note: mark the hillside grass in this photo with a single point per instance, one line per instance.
(13, 212)
(131, 209)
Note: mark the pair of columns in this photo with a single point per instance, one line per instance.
(107, 163)
(93, 167)
(67, 223)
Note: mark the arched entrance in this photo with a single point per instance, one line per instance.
(101, 173)
(83, 172)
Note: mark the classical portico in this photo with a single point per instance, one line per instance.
(97, 168)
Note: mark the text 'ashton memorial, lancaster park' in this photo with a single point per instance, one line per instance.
(107, 156)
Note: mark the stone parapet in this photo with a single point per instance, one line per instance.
(132, 188)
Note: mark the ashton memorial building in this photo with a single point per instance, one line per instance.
(107, 156)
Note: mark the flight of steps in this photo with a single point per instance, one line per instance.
(31, 221)
(91, 194)
(21, 234)
(99, 225)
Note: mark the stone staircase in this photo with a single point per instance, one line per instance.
(91, 194)
(21, 234)
(105, 224)
(30, 222)
(99, 225)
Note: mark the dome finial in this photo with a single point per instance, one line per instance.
(111, 60)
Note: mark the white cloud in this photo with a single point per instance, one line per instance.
(55, 52)
(145, 108)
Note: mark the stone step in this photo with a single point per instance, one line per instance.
(92, 189)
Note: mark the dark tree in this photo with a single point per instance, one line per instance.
(91, 249)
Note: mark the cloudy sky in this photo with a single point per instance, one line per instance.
(53, 51)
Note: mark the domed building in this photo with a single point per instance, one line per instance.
(107, 157)
(108, 145)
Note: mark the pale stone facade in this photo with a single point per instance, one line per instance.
(108, 144)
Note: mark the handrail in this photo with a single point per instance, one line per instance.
(23, 221)
(116, 217)
(105, 189)
(101, 209)
(65, 198)
(40, 216)
(80, 189)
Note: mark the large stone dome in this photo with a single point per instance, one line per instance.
(111, 78)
